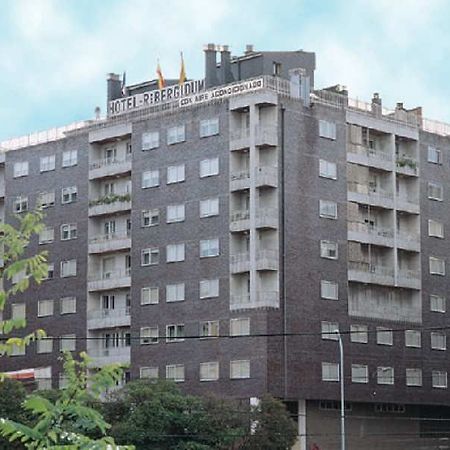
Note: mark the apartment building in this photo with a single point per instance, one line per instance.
(221, 232)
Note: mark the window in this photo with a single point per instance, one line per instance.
(176, 134)
(149, 372)
(175, 213)
(330, 330)
(175, 292)
(69, 194)
(438, 340)
(385, 375)
(240, 326)
(20, 169)
(329, 290)
(328, 249)
(50, 271)
(69, 268)
(47, 163)
(437, 266)
(20, 204)
(18, 350)
(149, 256)
(68, 231)
(175, 333)
(359, 334)
(360, 373)
(437, 303)
(439, 379)
(435, 191)
(19, 276)
(330, 371)
(150, 295)
(434, 155)
(413, 377)
(209, 288)
(209, 167)
(175, 253)
(209, 207)
(45, 308)
(46, 235)
(44, 345)
(18, 311)
(209, 329)
(413, 338)
(150, 217)
(68, 305)
(67, 342)
(175, 174)
(327, 169)
(435, 229)
(327, 129)
(149, 335)
(209, 127)
(209, 371)
(384, 336)
(70, 158)
(239, 369)
(46, 199)
(150, 179)
(209, 247)
(175, 372)
(150, 140)
(328, 209)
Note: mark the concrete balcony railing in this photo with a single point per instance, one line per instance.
(363, 155)
(240, 180)
(116, 279)
(240, 220)
(408, 241)
(2, 190)
(266, 136)
(240, 263)
(267, 260)
(363, 232)
(262, 299)
(109, 355)
(364, 272)
(240, 138)
(407, 166)
(109, 167)
(408, 278)
(363, 193)
(408, 204)
(266, 176)
(110, 204)
(109, 242)
(108, 318)
(266, 218)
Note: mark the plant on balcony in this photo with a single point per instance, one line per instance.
(112, 198)
(404, 161)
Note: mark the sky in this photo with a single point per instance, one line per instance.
(55, 54)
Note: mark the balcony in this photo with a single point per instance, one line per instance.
(408, 241)
(266, 136)
(408, 204)
(363, 193)
(364, 272)
(109, 243)
(267, 218)
(2, 190)
(266, 176)
(263, 299)
(108, 318)
(409, 279)
(363, 232)
(240, 220)
(240, 180)
(109, 167)
(110, 355)
(267, 260)
(366, 156)
(240, 139)
(240, 263)
(407, 166)
(110, 204)
(116, 279)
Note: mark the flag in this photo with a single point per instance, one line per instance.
(182, 71)
(161, 80)
(123, 86)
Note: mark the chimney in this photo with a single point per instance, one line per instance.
(249, 49)
(225, 65)
(376, 105)
(210, 66)
(113, 87)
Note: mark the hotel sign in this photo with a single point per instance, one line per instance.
(187, 94)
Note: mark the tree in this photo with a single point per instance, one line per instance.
(13, 243)
(156, 415)
(68, 422)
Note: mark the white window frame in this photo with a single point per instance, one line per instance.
(149, 335)
(46, 199)
(178, 332)
(70, 229)
(330, 371)
(18, 311)
(72, 268)
(209, 207)
(435, 228)
(327, 169)
(209, 288)
(70, 191)
(175, 292)
(240, 369)
(240, 326)
(150, 179)
(176, 174)
(47, 163)
(50, 270)
(209, 248)
(151, 373)
(438, 340)
(413, 376)
(327, 129)
(209, 329)
(209, 167)
(153, 256)
(330, 330)
(209, 127)
(69, 158)
(326, 249)
(20, 204)
(150, 295)
(176, 134)
(359, 333)
(44, 345)
(385, 336)
(329, 290)
(209, 371)
(175, 253)
(21, 169)
(68, 305)
(150, 140)
(360, 373)
(382, 378)
(435, 191)
(45, 308)
(438, 303)
(67, 342)
(175, 213)
(413, 339)
(178, 372)
(46, 235)
(328, 209)
(150, 217)
(439, 379)
(433, 265)
(434, 155)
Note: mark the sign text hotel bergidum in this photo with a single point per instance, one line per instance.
(189, 93)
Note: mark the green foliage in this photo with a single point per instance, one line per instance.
(111, 198)
(405, 161)
(67, 422)
(13, 242)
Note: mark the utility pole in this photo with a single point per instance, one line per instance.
(341, 377)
